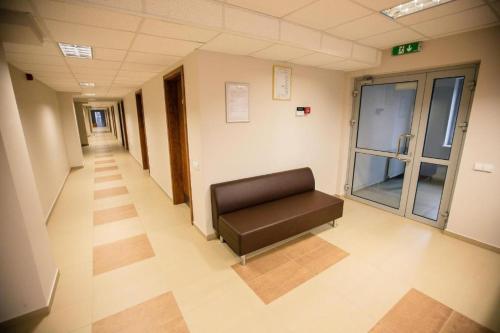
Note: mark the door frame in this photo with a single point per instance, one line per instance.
(450, 185)
(405, 158)
(124, 119)
(453, 162)
(177, 186)
(142, 129)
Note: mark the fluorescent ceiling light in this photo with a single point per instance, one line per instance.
(412, 7)
(87, 84)
(89, 94)
(76, 51)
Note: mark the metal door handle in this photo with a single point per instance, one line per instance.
(403, 136)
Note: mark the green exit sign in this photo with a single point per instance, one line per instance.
(407, 48)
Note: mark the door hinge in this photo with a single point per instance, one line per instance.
(472, 85)
(352, 122)
(463, 126)
(347, 187)
(355, 93)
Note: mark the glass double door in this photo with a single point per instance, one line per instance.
(406, 138)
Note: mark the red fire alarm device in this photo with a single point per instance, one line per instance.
(307, 110)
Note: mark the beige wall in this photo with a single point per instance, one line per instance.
(132, 127)
(274, 140)
(475, 212)
(81, 122)
(43, 130)
(70, 129)
(28, 272)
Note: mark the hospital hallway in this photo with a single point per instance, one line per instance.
(130, 261)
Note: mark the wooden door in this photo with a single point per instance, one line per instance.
(142, 131)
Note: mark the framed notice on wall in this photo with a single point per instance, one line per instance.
(282, 83)
(237, 100)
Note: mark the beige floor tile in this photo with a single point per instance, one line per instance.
(104, 161)
(110, 192)
(106, 168)
(273, 274)
(160, 314)
(103, 179)
(114, 214)
(121, 253)
(114, 231)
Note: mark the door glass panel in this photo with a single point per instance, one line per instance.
(429, 190)
(445, 102)
(386, 112)
(379, 179)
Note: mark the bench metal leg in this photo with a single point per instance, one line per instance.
(333, 223)
(243, 260)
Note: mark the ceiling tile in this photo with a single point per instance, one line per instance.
(92, 71)
(176, 31)
(93, 63)
(132, 66)
(86, 15)
(151, 58)
(200, 12)
(364, 27)
(135, 75)
(41, 59)
(463, 21)
(232, 44)
(365, 54)
(133, 5)
(253, 24)
(277, 8)
(108, 54)
(317, 59)
(41, 68)
(299, 35)
(347, 65)
(439, 11)
(174, 47)
(93, 36)
(378, 5)
(53, 75)
(336, 46)
(324, 14)
(48, 48)
(281, 52)
(391, 38)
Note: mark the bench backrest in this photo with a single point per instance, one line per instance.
(242, 193)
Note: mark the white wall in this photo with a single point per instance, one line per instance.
(132, 127)
(28, 272)
(274, 140)
(43, 130)
(475, 212)
(70, 129)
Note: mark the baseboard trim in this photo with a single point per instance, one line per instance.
(57, 197)
(42, 312)
(472, 241)
(208, 237)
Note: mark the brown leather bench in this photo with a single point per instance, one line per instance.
(252, 213)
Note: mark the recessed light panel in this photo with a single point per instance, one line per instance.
(87, 84)
(412, 7)
(89, 94)
(76, 51)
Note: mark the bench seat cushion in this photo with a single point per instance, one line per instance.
(252, 228)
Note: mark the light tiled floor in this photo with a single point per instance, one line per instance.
(388, 256)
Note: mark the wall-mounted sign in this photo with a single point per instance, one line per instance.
(237, 100)
(407, 48)
(282, 83)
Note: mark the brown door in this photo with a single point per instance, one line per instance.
(142, 131)
(121, 123)
(124, 120)
(113, 120)
(178, 138)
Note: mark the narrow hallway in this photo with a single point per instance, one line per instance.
(116, 251)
